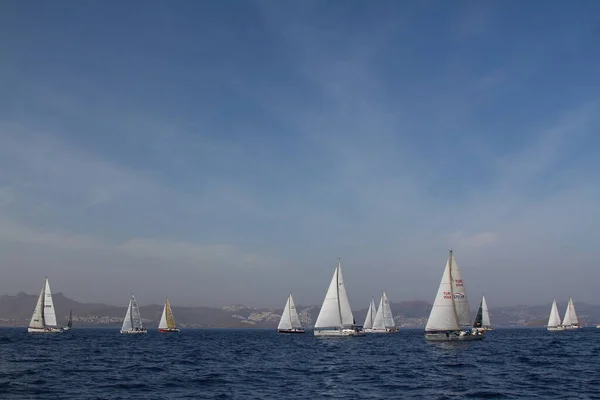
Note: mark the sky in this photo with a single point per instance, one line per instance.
(229, 152)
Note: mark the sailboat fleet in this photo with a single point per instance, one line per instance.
(448, 320)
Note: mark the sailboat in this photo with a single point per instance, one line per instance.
(167, 322)
(290, 322)
(554, 319)
(335, 317)
(132, 324)
(482, 320)
(368, 325)
(43, 319)
(570, 321)
(449, 318)
(384, 321)
(69, 321)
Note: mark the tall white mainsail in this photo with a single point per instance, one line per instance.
(443, 315)
(383, 318)
(289, 318)
(570, 314)
(335, 311)
(459, 292)
(554, 319)
(49, 313)
(136, 318)
(485, 314)
(370, 315)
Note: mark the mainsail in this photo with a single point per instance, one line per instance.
(479, 316)
(335, 311)
(289, 318)
(132, 320)
(384, 318)
(167, 321)
(485, 320)
(370, 315)
(37, 319)
(554, 319)
(443, 316)
(460, 293)
(570, 314)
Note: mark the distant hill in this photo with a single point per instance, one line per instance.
(17, 310)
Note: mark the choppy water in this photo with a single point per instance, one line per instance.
(259, 364)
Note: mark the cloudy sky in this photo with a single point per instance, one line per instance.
(220, 152)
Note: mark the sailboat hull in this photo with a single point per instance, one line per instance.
(168, 330)
(338, 332)
(571, 327)
(135, 332)
(452, 336)
(290, 330)
(386, 330)
(45, 330)
(555, 328)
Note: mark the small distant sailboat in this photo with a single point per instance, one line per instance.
(132, 324)
(570, 321)
(69, 321)
(449, 318)
(43, 319)
(384, 321)
(371, 312)
(482, 320)
(335, 317)
(167, 322)
(290, 322)
(554, 319)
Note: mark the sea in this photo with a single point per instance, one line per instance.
(261, 364)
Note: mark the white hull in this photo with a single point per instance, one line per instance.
(571, 327)
(453, 336)
(387, 330)
(135, 332)
(598, 326)
(556, 328)
(338, 332)
(45, 330)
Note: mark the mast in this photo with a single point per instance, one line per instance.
(131, 311)
(337, 286)
(451, 286)
(44, 302)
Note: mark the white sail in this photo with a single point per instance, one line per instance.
(37, 319)
(443, 315)
(127, 322)
(335, 311)
(485, 314)
(136, 318)
(461, 302)
(570, 314)
(294, 314)
(49, 313)
(370, 315)
(554, 319)
(163, 319)
(383, 318)
(378, 322)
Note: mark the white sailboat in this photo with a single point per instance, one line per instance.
(335, 317)
(167, 322)
(384, 320)
(43, 319)
(449, 318)
(132, 324)
(482, 320)
(554, 319)
(368, 325)
(570, 321)
(290, 322)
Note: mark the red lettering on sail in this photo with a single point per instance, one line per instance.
(458, 282)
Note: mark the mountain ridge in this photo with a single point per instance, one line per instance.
(16, 310)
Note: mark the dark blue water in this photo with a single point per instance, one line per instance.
(258, 364)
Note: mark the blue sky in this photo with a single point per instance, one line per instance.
(220, 152)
